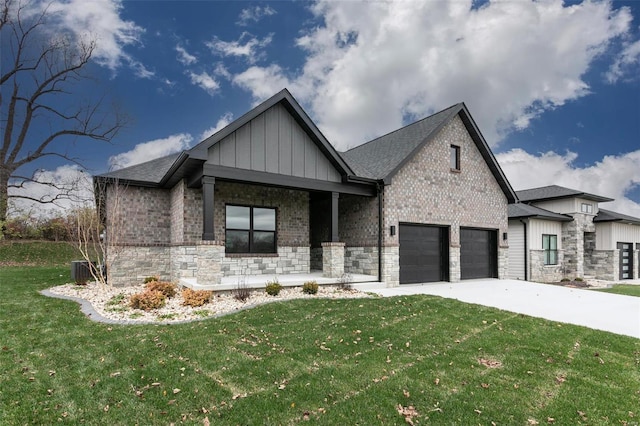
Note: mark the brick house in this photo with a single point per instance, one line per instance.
(557, 232)
(268, 196)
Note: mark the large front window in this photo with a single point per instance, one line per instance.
(550, 248)
(250, 229)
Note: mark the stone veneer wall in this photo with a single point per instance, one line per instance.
(361, 260)
(332, 259)
(604, 264)
(130, 265)
(546, 273)
(573, 243)
(426, 191)
(391, 265)
(289, 260)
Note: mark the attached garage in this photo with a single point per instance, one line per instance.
(424, 253)
(478, 253)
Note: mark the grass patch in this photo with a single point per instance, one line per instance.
(37, 253)
(626, 289)
(332, 361)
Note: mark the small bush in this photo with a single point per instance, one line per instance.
(241, 292)
(344, 283)
(195, 298)
(147, 300)
(310, 287)
(151, 279)
(564, 280)
(168, 289)
(578, 279)
(273, 288)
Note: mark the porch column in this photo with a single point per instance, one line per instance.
(334, 217)
(208, 185)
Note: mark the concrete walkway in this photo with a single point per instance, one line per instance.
(601, 311)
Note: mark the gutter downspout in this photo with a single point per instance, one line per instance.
(526, 245)
(380, 188)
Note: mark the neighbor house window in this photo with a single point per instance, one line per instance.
(550, 248)
(586, 208)
(250, 229)
(454, 153)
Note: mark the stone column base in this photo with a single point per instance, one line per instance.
(209, 261)
(332, 260)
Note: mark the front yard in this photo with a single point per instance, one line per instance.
(416, 360)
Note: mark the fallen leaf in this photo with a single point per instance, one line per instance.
(171, 402)
(406, 393)
(436, 381)
(115, 374)
(551, 420)
(485, 385)
(106, 408)
(532, 422)
(205, 422)
(176, 390)
(477, 411)
(155, 384)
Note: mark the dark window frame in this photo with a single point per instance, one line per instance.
(550, 254)
(454, 158)
(251, 230)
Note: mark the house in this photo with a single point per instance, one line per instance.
(557, 232)
(269, 195)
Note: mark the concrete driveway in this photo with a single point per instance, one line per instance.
(601, 311)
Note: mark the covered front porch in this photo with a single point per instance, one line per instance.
(232, 282)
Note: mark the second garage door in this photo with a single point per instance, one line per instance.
(478, 253)
(424, 255)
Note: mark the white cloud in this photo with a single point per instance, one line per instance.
(254, 14)
(185, 57)
(223, 122)
(97, 20)
(629, 57)
(247, 47)
(150, 150)
(68, 185)
(613, 176)
(370, 66)
(205, 81)
(262, 82)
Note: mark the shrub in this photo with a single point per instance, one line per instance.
(147, 300)
(344, 283)
(241, 292)
(151, 279)
(195, 298)
(310, 287)
(578, 279)
(564, 280)
(168, 289)
(273, 287)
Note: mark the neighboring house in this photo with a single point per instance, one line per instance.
(269, 195)
(557, 232)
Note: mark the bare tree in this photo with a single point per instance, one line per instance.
(39, 74)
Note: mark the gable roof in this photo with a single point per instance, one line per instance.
(555, 192)
(522, 211)
(609, 216)
(383, 157)
(284, 98)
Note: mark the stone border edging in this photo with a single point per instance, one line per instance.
(89, 311)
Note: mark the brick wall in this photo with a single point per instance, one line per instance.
(426, 191)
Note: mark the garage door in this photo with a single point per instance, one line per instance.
(478, 253)
(626, 260)
(424, 255)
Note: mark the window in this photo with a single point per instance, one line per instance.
(586, 208)
(550, 248)
(250, 229)
(454, 154)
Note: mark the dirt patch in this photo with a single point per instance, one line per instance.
(573, 284)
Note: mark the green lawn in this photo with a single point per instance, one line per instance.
(329, 361)
(626, 289)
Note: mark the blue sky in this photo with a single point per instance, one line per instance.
(553, 86)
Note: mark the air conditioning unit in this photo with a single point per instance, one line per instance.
(80, 271)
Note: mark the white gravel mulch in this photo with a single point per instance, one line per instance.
(111, 304)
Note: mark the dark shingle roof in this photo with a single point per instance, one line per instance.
(609, 216)
(380, 157)
(520, 210)
(554, 192)
(150, 172)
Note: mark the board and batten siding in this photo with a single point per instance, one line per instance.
(274, 142)
(609, 234)
(516, 250)
(539, 227)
